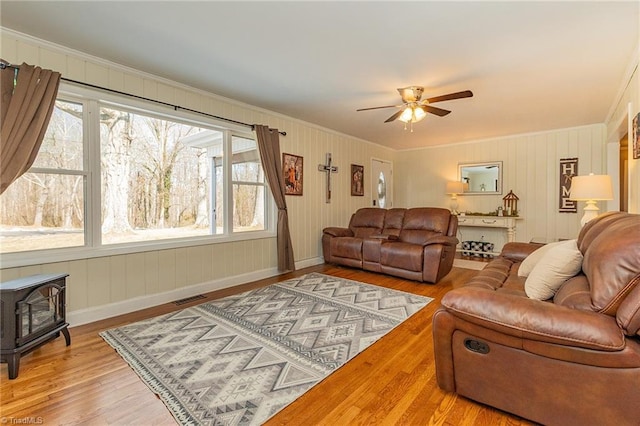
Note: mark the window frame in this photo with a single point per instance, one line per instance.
(92, 100)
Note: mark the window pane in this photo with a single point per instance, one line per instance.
(42, 211)
(246, 161)
(219, 195)
(248, 208)
(248, 188)
(62, 144)
(156, 178)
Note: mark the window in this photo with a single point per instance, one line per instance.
(154, 184)
(44, 208)
(248, 186)
(118, 173)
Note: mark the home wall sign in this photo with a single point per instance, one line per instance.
(568, 169)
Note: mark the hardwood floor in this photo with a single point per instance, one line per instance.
(391, 382)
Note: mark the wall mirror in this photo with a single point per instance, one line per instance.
(481, 178)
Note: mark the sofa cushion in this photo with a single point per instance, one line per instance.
(532, 260)
(611, 259)
(367, 221)
(393, 222)
(422, 223)
(401, 255)
(558, 264)
(347, 247)
(575, 294)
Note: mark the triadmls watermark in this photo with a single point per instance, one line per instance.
(29, 420)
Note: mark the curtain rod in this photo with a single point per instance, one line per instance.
(175, 107)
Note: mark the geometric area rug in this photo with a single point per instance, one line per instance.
(242, 358)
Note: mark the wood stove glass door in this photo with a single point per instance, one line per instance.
(41, 311)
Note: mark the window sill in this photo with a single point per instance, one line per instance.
(14, 260)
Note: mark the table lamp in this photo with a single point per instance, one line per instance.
(590, 188)
(454, 188)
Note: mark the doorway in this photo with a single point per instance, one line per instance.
(381, 183)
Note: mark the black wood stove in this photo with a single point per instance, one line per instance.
(32, 310)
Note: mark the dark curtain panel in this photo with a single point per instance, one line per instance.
(25, 111)
(269, 146)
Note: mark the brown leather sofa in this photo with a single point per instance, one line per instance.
(418, 243)
(570, 360)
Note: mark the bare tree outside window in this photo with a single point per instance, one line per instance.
(153, 185)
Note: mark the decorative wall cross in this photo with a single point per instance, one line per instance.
(328, 169)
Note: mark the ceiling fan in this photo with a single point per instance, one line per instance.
(413, 109)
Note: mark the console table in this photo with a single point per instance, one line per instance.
(508, 223)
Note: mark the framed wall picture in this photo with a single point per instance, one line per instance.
(635, 141)
(292, 171)
(357, 180)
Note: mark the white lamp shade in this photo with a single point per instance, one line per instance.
(419, 114)
(591, 187)
(455, 187)
(412, 114)
(406, 115)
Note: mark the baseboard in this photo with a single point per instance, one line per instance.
(97, 313)
(309, 262)
(469, 264)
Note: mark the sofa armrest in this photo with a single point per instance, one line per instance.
(441, 239)
(518, 251)
(338, 232)
(534, 320)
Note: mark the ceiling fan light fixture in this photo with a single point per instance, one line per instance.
(419, 114)
(412, 114)
(413, 109)
(407, 115)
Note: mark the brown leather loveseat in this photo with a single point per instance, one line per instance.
(573, 359)
(418, 243)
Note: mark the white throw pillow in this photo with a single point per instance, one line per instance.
(527, 265)
(557, 265)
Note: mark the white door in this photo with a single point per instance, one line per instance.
(381, 184)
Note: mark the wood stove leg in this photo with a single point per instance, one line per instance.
(13, 364)
(67, 336)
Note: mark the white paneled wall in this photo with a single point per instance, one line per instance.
(530, 168)
(109, 285)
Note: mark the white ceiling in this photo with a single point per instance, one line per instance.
(532, 65)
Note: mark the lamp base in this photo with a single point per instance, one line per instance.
(454, 205)
(590, 212)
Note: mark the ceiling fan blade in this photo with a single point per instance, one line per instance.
(433, 110)
(380, 107)
(393, 117)
(451, 96)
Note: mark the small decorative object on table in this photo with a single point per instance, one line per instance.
(510, 204)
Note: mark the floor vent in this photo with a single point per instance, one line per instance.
(189, 299)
